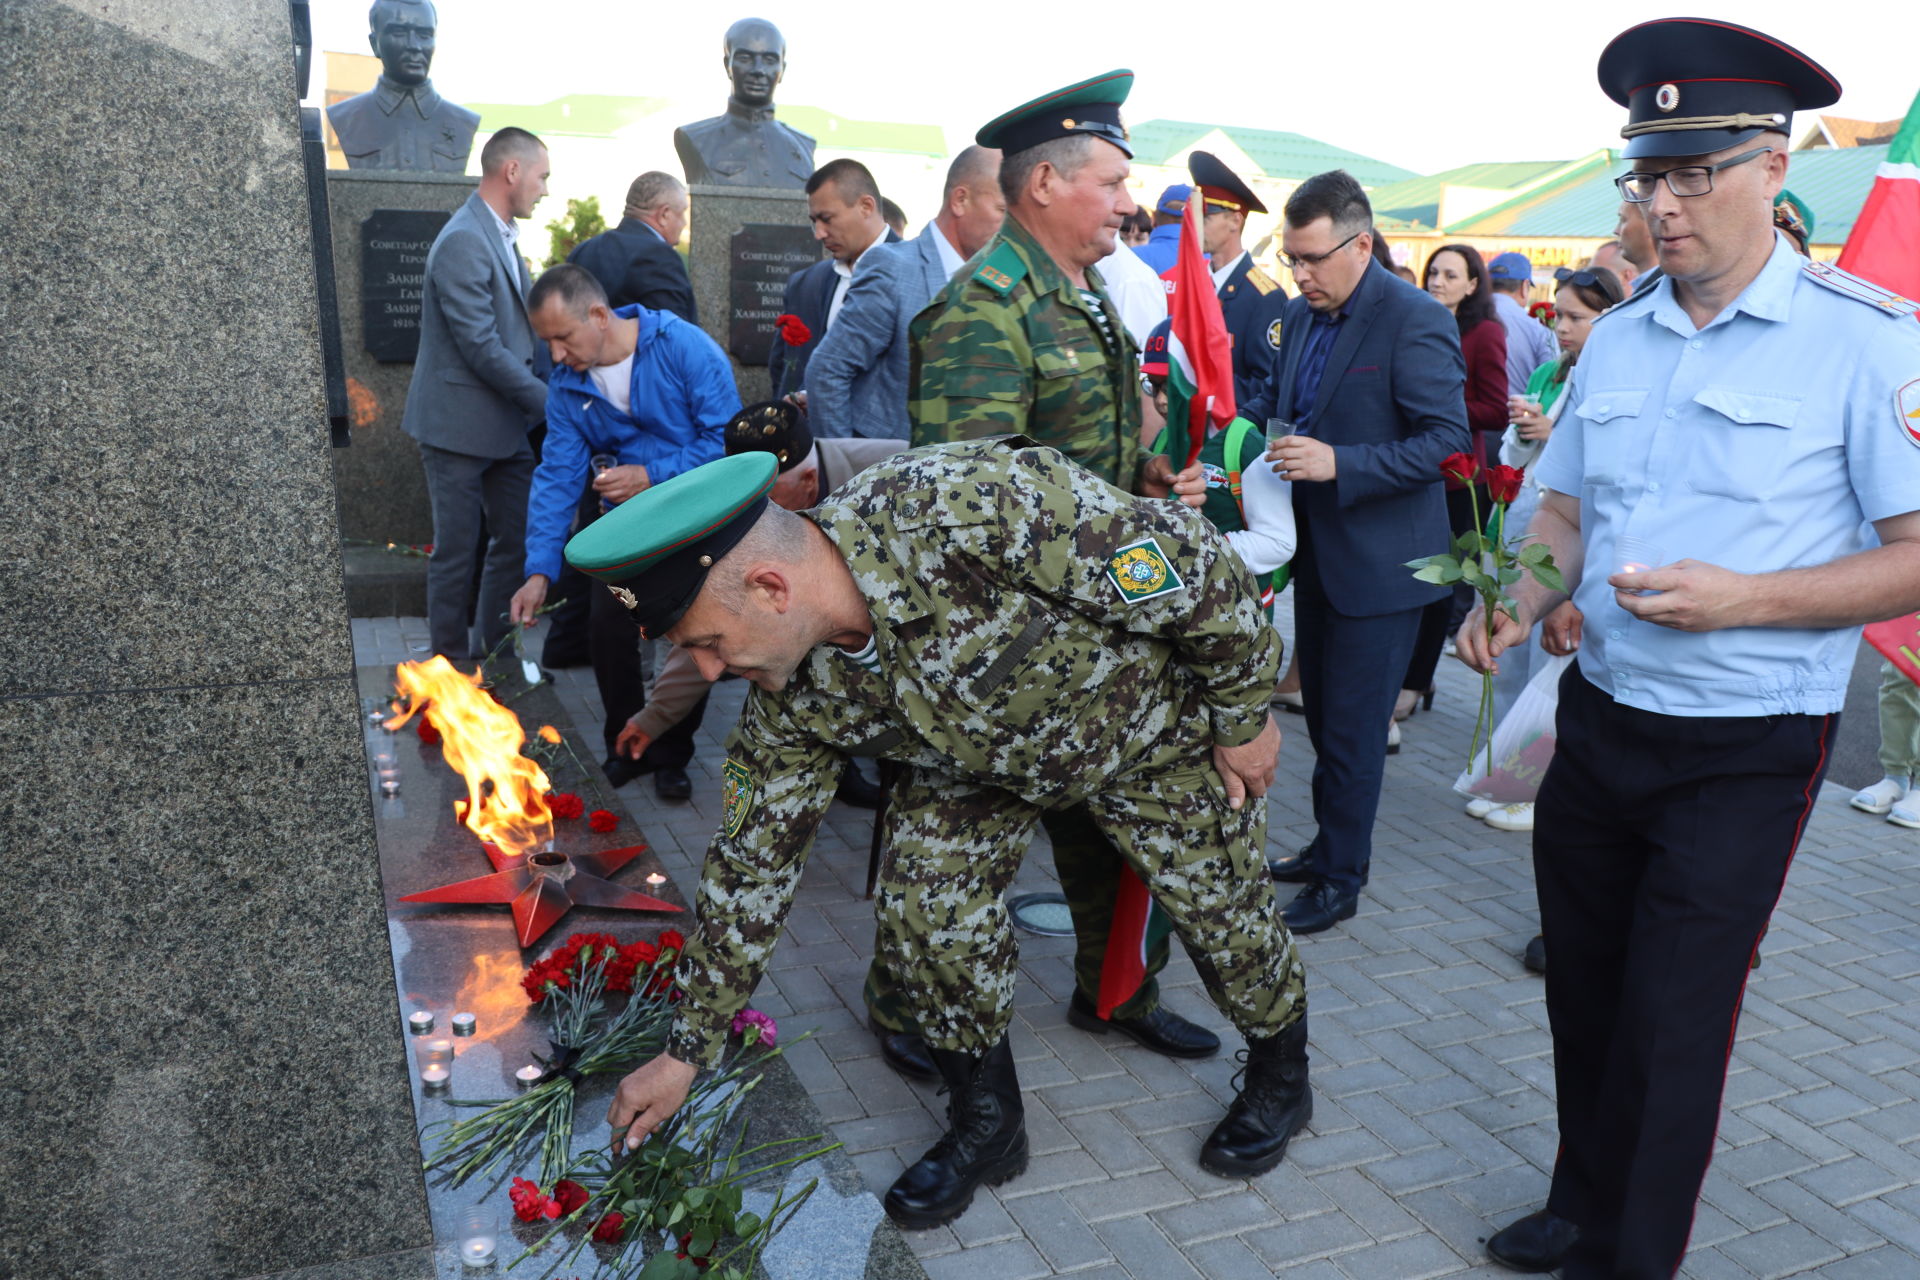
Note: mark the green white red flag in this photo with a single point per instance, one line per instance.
(1884, 245)
(1199, 352)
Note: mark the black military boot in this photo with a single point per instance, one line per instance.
(1274, 1103)
(985, 1141)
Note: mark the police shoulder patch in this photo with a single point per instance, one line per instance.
(1260, 280)
(1002, 269)
(1140, 571)
(1906, 403)
(1273, 335)
(736, 794)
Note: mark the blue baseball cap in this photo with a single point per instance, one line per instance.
(1511, 266)
(1173, 201)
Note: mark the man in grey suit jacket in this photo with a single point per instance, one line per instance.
(475, 393)
(857, 380)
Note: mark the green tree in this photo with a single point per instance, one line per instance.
(583, 222)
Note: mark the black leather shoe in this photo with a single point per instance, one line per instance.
(1535, 956)
(670, 782)
(1320, 906)
(985, 1141)
(1274, 1104)
(1538, 1242)
(1162, 1031)
(855, 790)
(906, 1053)
(1291, 870)
(620, 770)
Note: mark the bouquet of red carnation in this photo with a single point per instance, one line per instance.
(1544, 312)
(1485, 560)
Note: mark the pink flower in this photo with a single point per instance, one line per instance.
(755, 1027)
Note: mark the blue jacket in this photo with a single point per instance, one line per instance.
(857, 380)
(682, 396)
(1161, 249)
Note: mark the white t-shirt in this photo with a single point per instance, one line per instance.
(615, 382)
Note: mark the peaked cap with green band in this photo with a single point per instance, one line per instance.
(655, 548)
(1089, 107)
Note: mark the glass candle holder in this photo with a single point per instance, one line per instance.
(436, 1063)
(479, 1228)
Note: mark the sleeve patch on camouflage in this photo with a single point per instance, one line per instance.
(736, 794)
(1140, 571)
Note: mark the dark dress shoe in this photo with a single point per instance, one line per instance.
(1291, 870)
(1535, 956)
(856, 790)
(1538, 1242)
(670, 782)
(1162, 1031)
(1320, 906)
(906, 1053)
(620, 770)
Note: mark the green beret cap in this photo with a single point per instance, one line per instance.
(1791, 214)
(655, 548)
(1089, 107)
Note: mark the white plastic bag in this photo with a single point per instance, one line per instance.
(1522, 743)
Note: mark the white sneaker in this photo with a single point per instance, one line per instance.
(1518, 817)
(1480, 808)
(1393, 738)
(1906, 812)
(1879, 797)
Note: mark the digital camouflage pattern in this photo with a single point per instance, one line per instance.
(1014, 677)
(1009, 347)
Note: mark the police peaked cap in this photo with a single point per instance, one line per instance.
(1220, 185)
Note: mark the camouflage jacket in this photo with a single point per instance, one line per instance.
(1035, 630)
(1011, 347)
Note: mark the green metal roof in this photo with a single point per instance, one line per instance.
(588, 115)
(1279, 155)
(599, 115)
(1832, 181)
(1415, 203)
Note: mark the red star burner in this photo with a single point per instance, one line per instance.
(543, 886)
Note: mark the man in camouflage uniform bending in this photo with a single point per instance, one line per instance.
(1027, 341)
(1027, 639)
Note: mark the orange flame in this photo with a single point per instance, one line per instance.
(506, 802)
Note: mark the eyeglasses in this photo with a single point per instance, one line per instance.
(1688, 180)
(1295, 262)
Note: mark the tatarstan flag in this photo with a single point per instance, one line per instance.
(1199, 353)
(1884, 245)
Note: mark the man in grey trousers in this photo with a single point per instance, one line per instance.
(475, 394)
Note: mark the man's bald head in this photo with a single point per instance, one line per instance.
(755, 31)
(971, 205)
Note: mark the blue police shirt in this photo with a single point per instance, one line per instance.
(1760, 442)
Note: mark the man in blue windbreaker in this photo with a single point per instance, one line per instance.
(653, 394)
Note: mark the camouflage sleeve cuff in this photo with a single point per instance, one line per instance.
(1237, 726)
(695, 1043)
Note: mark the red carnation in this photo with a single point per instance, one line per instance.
(529, 1202)
(1503, 482)
(671, 940)
(428, 734)
(640, 954)
(565, 804)
(609, 1228)
(601, 820)
(569, 1195)
(1459, 466)
(794, 331)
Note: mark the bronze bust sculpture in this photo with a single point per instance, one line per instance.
(401, 123)
(747, 147)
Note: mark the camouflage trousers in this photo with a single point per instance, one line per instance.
(1089, 868)
(947, 944)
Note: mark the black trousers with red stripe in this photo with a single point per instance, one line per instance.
(1660, 846)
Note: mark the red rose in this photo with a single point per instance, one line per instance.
(794, 331)
(428, 734)
(1459, 466)
(601, 820)
(609, 1228)
(569, 1195)
(565, 804)
(1503, 482)
(700, 1264)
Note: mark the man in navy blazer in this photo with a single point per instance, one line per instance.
(478, 386)
(857, 378)
(843, 202)
(1372, 384)
(636, 262)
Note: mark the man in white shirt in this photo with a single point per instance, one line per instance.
(843, 203)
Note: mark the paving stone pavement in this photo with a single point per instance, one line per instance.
(1432, 1068)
